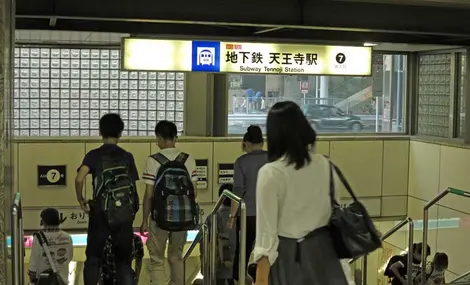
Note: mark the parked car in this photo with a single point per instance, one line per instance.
(326, 117)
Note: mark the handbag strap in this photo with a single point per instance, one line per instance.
(343, 180)
(43, 242)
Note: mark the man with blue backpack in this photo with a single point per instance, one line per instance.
(170, 202)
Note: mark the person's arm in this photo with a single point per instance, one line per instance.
(133, 168)
(70, 249)
(34, 259)
(139, 256)
(79, 181)
(238, 188)
(267, 194)
(148, 177)
(430, 279)
(395, 270)
(191, 168)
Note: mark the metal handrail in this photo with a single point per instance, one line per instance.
(442, 194)
(193, 245)
(213, 252)
(209, 265)
(203, 229)
(458, 280)
(393, 230)
(17, 241)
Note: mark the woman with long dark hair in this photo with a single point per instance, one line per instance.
(293, 243)
(245, 174)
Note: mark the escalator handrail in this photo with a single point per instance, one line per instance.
(210, 268)
(17, 240)
(193, 245)
(407, 221)
(225, 194)
(456, 280)
(393, 230)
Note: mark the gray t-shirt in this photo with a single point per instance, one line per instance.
(245, 176)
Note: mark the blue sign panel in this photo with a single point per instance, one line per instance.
(205, 56)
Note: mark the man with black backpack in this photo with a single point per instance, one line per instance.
(170, 201)
(114, 205)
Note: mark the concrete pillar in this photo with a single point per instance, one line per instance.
(6, 146)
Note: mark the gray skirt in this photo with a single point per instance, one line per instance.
(312, 261)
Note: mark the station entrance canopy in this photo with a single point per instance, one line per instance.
(239, 57)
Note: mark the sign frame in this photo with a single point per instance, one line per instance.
(60, 169)
(225, 41)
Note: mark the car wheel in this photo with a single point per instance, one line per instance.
(356, 127)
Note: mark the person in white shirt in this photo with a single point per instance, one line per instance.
(60, 246)
(294, 206)
(166, 133)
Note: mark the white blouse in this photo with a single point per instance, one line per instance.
(290, 203)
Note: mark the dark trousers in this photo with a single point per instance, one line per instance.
(250, 243)
(98, 233)
(225, 282)
(111, 282)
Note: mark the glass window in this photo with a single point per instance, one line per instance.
(333, 104)
(64, 92)
(434, 94)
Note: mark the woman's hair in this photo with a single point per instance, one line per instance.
(253, 135)
(289, 134)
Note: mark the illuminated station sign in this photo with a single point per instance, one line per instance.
(237, 57)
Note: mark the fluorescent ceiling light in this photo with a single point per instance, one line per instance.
(369, 44)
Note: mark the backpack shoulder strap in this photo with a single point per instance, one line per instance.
(42, 239)
(182, 157)
(160, 158)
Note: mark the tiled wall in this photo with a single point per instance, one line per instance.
(376, 169)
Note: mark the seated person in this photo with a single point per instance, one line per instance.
(108, 269)
(59, 243)
(397, 271)
(435, 271)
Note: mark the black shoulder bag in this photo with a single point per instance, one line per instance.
(51, 276)
(352, 230)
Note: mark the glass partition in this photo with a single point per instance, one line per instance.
(434, 94)
(333, 104)
(461, 92)
(63, 91)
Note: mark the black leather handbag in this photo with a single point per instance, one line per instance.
(351, 227)
(51, 276)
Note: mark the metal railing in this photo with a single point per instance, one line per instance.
(209, 264)
(17, 241)
(407, 221)
(462, 279)
(424, 254)
(204, 235)
(242, 237)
